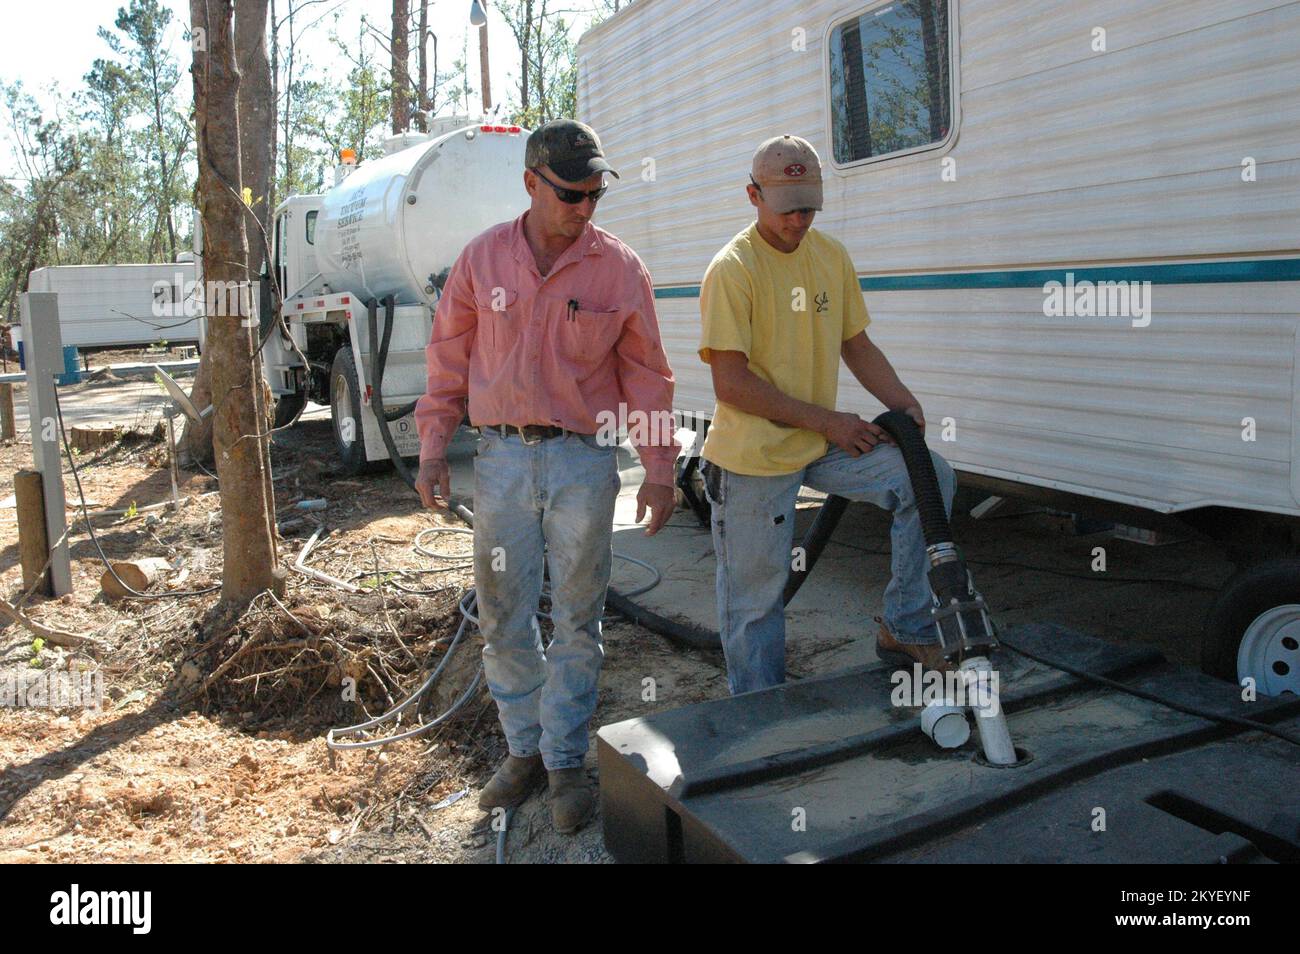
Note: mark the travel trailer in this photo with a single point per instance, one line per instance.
(103, 306)
(1076, 225)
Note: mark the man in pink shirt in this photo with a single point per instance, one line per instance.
(546, 326)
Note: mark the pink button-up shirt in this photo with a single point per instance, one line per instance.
(558, 349)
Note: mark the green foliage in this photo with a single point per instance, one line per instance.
(548, 73)
(105, 175)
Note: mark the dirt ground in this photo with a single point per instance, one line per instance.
(181, 766)
(209, 745)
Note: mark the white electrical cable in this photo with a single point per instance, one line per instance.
(467, 605)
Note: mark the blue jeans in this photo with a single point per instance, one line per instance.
(557, 494)
(753, 528)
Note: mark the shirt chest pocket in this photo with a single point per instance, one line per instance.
(499, 318)
(587, 333)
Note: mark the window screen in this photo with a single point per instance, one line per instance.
(890, 80)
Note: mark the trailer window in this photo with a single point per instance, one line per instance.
(311, 227)
(890, 80)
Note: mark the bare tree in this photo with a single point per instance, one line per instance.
(423, 104)
(257, 135)
(239, 417)
(256, 119)
(401, 98)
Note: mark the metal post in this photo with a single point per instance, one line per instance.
(171, 461)
(43, 346)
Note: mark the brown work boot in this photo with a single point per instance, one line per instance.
(572, 800)
(890, 650)
(513, 782)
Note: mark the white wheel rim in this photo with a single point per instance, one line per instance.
(341, 407)
(1270, 651)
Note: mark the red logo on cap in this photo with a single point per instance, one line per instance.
(795, 169)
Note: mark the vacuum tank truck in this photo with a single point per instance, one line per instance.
(383, 239)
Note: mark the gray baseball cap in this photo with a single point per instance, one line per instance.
(789, 172)
(570, 148)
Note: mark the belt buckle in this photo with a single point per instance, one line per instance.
(524, 437)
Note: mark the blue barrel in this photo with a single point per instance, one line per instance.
(71, 369)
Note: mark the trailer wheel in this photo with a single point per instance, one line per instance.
(287, 407)
(1253, 629)
(345, 412)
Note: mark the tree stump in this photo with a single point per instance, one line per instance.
(137, 574)
(91, 437)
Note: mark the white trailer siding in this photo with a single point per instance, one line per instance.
(1122, 165)
(112, 305)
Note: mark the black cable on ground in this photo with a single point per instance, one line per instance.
(1185, 709)
(685, 635)
(501, 836)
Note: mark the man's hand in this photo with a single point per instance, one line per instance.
(916, 414)
(434, 477)
(852, 434)
(661, 500)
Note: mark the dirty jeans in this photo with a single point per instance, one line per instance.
(559, 494)
(753, 528)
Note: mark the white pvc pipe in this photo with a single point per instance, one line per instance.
(990, 720)
(317, 574)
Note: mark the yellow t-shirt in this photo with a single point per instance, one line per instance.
(789, 313)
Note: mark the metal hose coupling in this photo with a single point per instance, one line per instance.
(960, 615)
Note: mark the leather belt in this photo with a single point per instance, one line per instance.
(529, 433)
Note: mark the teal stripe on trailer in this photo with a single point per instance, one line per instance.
(678, 291)
(1257, 270)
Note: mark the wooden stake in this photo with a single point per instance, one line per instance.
(7, 430)
(33, 543)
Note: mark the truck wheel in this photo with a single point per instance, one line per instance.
(1253, 629)
(287, 407)
(345, 411)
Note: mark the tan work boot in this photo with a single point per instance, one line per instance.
(890, 650)
(572, 800)
(513, 782)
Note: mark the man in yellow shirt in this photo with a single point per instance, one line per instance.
(781, 306)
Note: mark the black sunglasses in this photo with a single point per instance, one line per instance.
(572, 196)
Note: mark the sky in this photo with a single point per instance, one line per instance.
(49, 43)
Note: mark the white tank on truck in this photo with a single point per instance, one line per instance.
(390, 227)
(396, 224)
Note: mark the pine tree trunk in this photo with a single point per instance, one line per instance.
(256, 121)
(257, 131)
(243, 463)
(401, 67)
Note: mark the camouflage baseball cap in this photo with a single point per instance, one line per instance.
(789, 173)
(570, 148)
